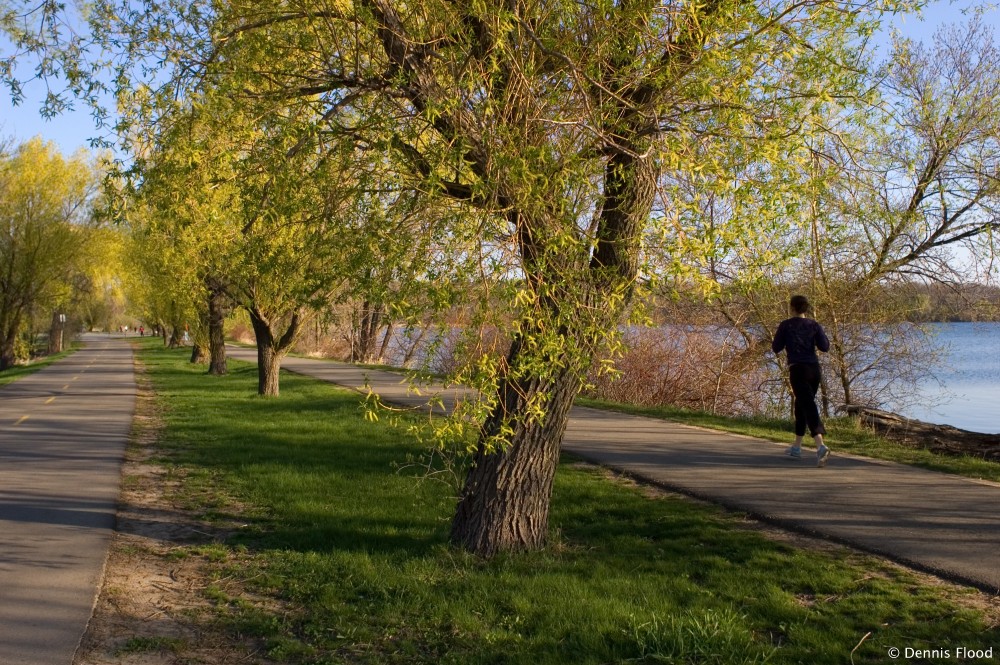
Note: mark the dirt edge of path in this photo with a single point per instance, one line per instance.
(153, 610)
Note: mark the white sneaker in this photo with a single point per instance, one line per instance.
(822, 455)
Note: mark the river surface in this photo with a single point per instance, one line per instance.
(969, 392)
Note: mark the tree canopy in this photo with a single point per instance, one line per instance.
(563, 150)
(45, 210)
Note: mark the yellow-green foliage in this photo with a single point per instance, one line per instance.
(44, 212)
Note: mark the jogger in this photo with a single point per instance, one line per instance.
(800, 338)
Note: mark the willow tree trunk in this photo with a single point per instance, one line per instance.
(268, 370)
(199, 354)
(504, 506)
(368, 327)
(216, 329)
(270, 350)
(268, 360)
(176, 337)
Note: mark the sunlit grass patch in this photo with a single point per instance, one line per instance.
(344, 557)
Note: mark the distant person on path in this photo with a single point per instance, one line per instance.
(800, 338)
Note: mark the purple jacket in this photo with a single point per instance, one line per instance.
(800, 337)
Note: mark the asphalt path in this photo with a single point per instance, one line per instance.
(63, 432)
(944, 524)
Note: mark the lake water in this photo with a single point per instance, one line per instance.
(970, 374)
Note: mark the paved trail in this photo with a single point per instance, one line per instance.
(936, 522)
(63, 432)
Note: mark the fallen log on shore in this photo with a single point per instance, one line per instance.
(937, 438)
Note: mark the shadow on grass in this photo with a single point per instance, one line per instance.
(304, 461)
(361, 550)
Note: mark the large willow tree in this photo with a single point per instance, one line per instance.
(551, 123)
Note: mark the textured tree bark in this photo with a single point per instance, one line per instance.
(270, 350)
(216, 330)
(268, 370)
(504, 506)
(268, 361)
(199, 354)
(368, 327)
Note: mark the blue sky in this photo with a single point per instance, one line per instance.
(73, 129)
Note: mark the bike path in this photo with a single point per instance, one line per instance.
(63, 432)
(937, 522)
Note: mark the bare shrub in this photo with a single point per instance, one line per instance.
(693, 367)
(242, 333)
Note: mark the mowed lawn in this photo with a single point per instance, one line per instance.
(345, 557)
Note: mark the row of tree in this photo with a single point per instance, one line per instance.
(57, 262)
(540, 164)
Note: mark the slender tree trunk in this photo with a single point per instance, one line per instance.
(369, 322)
(504, 506)
(176, 338)
(414, 345)
(56, 334)
(385, 341)
(824, 393)
(216, 330)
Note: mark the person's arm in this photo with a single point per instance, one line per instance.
(778, 343)
(822, 343)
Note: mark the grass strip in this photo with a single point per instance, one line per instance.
(344, 555)
(844, 434)
(16, 372)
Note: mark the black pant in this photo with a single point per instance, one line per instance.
(805, 378)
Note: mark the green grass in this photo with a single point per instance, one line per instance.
(137, 645)
(843, 435)
(20, 371)
(344, 557)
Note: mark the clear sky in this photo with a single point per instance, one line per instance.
(72, 130)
